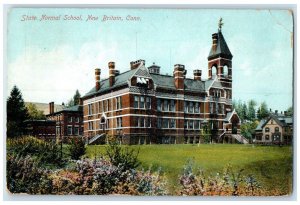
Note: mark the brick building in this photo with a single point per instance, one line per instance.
(42, 129)
(142, 106)
(68, 120)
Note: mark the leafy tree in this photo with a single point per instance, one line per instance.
(77, 148)
(251, 110)
(34, 113)
(16, 113)
(262, 111)
(248, 129)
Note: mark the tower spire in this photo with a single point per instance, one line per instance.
(220, 24)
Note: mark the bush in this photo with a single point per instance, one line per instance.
(24, 176)
(45, 152)
(122, 157)
(229, 183)
(77, 148)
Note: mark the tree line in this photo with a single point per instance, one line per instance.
(251, 110)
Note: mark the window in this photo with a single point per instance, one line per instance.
(185, 106)
(172, 107)
(99, 107)
(91, 126)
(197, 124)
(267, 137)
(70, 119)
(159, 123)
(191, 107)
(258, 137)
(267, 129)
(76, 130)
(57, 130)
(148, 102)
(223, 109)
(136, 122)
(90, 111)
(165, 123)
(185, 124)
(196, 107)
(119, 103)
(142, 122)
(165, 105)
(69, 129)
(217, 108)
(158, 104)
(271, 121)
(119, 122)
(104, 106)
(148, 122)
(276, 129)
(76, 119)
(191, 124)
(80, 130)
(211, 107)
(136, 102)
(142, 102)
(172, 123)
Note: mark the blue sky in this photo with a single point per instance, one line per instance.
(49, 60)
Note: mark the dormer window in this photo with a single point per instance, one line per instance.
(141, 81)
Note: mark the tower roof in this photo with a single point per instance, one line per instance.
(222, 49)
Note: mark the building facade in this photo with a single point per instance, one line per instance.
(276, 129)
(42, 129)
(142, 106)
(68, 121)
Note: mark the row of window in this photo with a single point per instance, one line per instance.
(192, 124)
(216, 108)
(267, 137)
(267, 129)
(165, 105)
(191, 107)
(105, 105)
(73, 119)
(142, 122)
(191, 140)
(166, 123)
(71, 130)
(142, 102)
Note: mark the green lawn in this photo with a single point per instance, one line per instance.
(271, 165)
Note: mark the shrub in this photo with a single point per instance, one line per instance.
(77, 148)
(45, 152)
(229, 183)
(122, 157)
(24, 176)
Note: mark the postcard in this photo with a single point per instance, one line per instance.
(149, 101)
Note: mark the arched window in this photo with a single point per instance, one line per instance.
(214, 70)
(225, 71)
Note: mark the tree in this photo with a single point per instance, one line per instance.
(34, 113)
(289, 112)
(248, 129)
(16, 113)
(251, 110)
(75, 100)
(262, 111)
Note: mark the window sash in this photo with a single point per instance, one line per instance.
(136, 102)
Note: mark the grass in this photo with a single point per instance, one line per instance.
(271, 165)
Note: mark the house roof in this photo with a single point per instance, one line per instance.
(260, 124)
(75, 108)
(280, 120)
(222, 48)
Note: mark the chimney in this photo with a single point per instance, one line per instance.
(51, 107)
(285, 112)
(136, 64)
(178, 74)
(214, 41)
(111, 66)
(270, 110)
(97, 78)
(276, 112)
(197, 74)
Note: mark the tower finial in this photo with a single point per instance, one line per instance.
(220, 23)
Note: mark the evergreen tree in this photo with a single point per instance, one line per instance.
(251, 110)
(244, 111)
(76, 98)
(262, 111)
(16, 113)
(289, 112)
